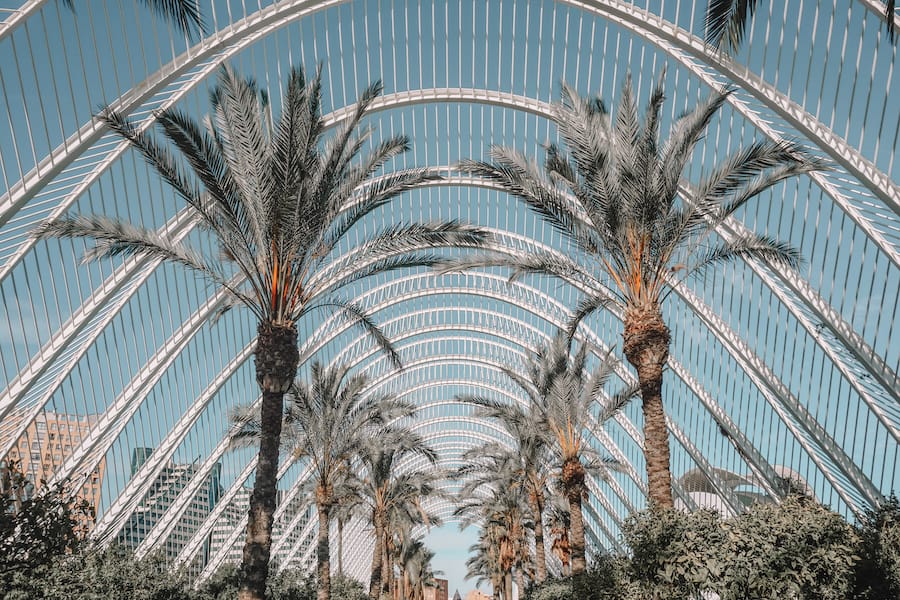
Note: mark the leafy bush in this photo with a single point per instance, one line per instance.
(35, 529)
(286, 585)
(347, 588)
(605, 579)
(675, 555)
(112, 574)
(797, 549)
(878, 573)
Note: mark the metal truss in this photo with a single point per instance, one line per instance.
(389, 291)
(62, 176)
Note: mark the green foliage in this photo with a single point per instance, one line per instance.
(35, 529)
(347, 588)
(112, 574)
(878, 572)
(797, 549)
(605, 579)
(675, 555)
(286, 585)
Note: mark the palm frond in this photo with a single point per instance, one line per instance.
(726, 22)
(585, 307)
(184, 14)
(357, 315)
(751, 246)
(890, 8)
(379, 193)
(159, 158)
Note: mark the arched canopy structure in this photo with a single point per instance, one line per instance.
(112, 377)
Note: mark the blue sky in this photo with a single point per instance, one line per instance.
(53, 85)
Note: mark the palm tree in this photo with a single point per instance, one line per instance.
(562, 392)
(503, 514)
(184, 14)
(483, 563)
(416, 572)
(330, 419)
(278, 200)
(528, 460)
(615, 199)
(346, 506)
(727, 20)
(392, 497)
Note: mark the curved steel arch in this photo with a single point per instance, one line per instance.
(395, 297)
(744, 450)
(816, 307)
(182, 225)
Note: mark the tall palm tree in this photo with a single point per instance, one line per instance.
(727, 20)
(184, 14)
(529, 462)
(562, 391)
(278, 200)
(331, 418)
(392, 497)
(615, 198)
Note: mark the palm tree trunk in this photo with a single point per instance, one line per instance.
(520, 582)
(537, 507)
(377, 575)
(646, 346)
(496, 587)
(573, 484)
(388, 584)
(507, 585)
(323, 549)
(276, 366)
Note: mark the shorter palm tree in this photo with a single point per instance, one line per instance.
(483, 564)
(562, 391)
(327, 422)
(558, 520)
(416, 572)
(330, 418)
(500, 508)
(528, 462)
(390, 497)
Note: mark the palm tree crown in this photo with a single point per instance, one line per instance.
(635, 230)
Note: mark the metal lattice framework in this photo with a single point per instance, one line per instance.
(772, 371)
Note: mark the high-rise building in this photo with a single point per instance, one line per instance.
(46, 443)
(159, 499)
(237, 509)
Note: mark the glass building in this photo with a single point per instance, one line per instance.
(777, 378)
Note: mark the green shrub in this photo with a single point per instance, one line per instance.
(675, 555)
(797, 549)
(110, 574)
(878, 572)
